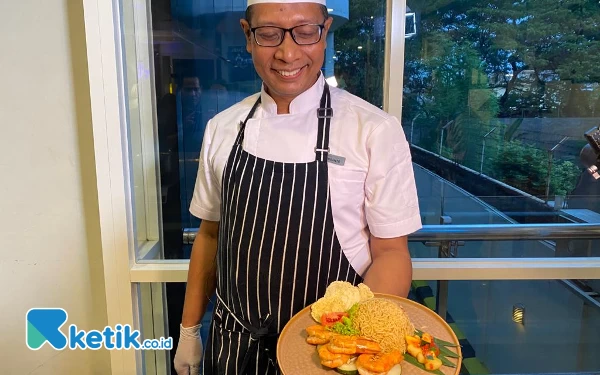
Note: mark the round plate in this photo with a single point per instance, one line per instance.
(295, 356)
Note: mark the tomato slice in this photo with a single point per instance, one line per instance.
(329, 319)
(430, 349)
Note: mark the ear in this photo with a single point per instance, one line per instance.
(327, 24)
(247, 33)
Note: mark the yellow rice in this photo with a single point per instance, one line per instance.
(385, 322)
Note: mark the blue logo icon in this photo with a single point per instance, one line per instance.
(43, 326)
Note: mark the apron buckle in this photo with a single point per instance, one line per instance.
(324, 112)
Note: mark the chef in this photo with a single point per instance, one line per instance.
(298, 186)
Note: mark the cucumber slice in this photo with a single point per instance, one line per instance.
(348, 368)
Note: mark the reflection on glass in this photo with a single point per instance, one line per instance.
(507, 90)
(359, 50)
(140, 117)
(201, 68)
(558, 333)
(511, 249)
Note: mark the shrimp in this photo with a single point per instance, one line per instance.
(318, 335)
(378, 363)
(315, 329)
(353, 345)
(330, 359)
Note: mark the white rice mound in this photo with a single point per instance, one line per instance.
(340, 296)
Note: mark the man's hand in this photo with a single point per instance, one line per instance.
(391, 269)
(189, 351)
(200, 286)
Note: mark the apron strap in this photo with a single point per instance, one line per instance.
(240, 137)
(256, 334)
(324, 114)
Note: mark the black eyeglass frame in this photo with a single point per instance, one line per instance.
(290, 30)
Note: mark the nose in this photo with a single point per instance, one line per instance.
(288, 50)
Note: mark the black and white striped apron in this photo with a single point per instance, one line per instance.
(277, 252)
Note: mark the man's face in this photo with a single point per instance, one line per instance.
(191, 90)
(288, 69)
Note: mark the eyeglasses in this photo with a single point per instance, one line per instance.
(272, 36)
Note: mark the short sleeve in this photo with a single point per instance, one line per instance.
(206, 200)
(391, 203)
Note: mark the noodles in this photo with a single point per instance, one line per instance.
(385, 322)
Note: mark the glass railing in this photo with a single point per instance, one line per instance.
(466, 197)
(492, 232)
(558, 332)
(547, 179)
(515, 245)
(474, 275)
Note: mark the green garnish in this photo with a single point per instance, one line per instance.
(446, 352)
(346, 327)
(352, 311)
(446, 361)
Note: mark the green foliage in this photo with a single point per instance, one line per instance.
(530, 51)
(361, 69)
(526, 168)
(564, 178)
(522, 166)
(473, 61)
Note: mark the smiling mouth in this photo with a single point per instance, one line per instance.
(289, 73)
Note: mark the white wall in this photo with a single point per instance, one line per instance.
(50, 252)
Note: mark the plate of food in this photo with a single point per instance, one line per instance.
(352, 331)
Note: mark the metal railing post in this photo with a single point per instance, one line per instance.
(441, 297)
(550, 163)
(483, 149)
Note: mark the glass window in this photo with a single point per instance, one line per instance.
(358, 49)
(497, 98)
(139, 97)
(557, 334)
(201, 67)
(554, 335)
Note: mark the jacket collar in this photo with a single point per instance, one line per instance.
(305, 102)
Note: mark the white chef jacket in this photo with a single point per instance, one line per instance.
(373, 192)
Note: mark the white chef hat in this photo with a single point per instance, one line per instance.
(252, 2)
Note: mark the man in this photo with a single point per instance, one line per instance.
(298, 186)
(191, 111)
